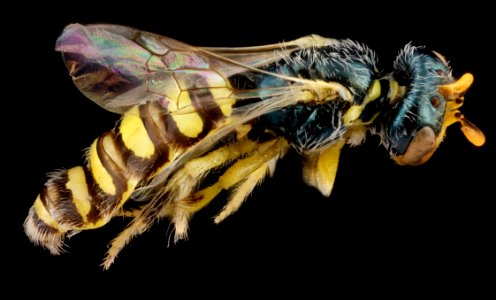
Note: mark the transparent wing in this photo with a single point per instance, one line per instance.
(118, 67)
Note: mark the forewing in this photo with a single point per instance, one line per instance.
(118, 67)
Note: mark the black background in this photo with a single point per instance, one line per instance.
(429, 226)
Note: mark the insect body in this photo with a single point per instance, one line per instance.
(188, 111)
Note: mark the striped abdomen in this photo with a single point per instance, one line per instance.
(147, 138)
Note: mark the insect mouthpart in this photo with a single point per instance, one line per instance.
(419, 148)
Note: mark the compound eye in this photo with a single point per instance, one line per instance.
(435, 102)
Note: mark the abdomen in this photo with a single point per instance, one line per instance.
(147, 138)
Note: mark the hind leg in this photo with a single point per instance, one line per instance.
(247, 171)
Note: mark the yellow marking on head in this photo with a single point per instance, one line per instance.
(99, 173)
(76, 183)
(44, 215)
(453, 94)
(457, 88)
(134, 134)
(222, 97)
(189, 124)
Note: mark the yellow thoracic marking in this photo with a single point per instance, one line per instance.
(44, 215)
(100, 174)
(223, 99)
(393, 90)
(76, 183)
(134, 134)
(190, 124)
(354, 112)
(374, 91)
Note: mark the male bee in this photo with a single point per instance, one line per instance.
(188, 111)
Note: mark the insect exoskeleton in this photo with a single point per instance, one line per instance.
(188, 111)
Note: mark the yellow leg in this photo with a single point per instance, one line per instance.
(238, 172)
(242, 191)
(320, 168)
(180, 186)
(196, 169)
(140, 226)
(184, 182)
(128, 213)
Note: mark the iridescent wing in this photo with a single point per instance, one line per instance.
(118, 67)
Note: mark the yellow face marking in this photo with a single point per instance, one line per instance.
(79, 189)
(100, 174)
(44, 215)
(190, 124)
(134, 134)
(223, 99)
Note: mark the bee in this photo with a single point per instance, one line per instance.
(191, 113)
